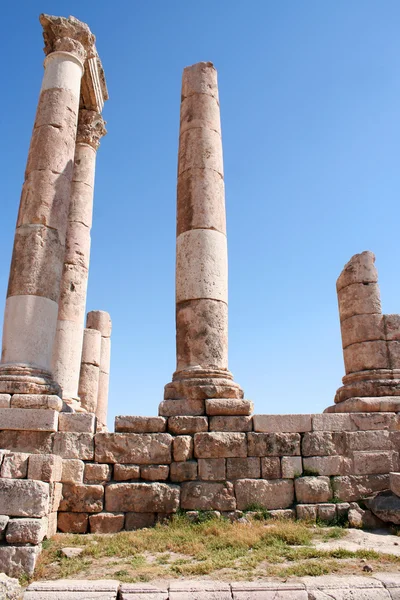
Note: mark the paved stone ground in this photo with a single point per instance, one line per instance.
(380, 586)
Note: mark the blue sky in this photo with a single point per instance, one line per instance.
(310, 101)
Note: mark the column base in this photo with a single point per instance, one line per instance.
(188, 391)
(377, 390)
(24, 379)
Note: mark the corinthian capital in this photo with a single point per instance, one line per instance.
(67, 35)
(91, 128)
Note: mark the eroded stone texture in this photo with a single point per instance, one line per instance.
(207, 496)
(182, 447)
(24, 498)
(220, 445)
(97, 473)
(142, 497)
(135, 520)
(154, 472)
(15, 465)
(45, 467)
(72, 470)
(106, 522)
(74, 445)
(312, 490)
(130, 424)
(273, 444)
(213, 469)
(244, 468)
(350, 488)
(231, 423)
(126, 472)
(128, 448)
(82, 498)
(26, 531)
(15, 560)
(183, 471)
(268, 494)
(73, 522)
(186, 425)
(282, 423)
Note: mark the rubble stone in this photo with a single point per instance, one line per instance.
(15, 560)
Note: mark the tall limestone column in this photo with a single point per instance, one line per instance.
(100, 320)
(72, 305)
(201, 257)
(34, 285)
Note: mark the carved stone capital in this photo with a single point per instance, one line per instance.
(91, 128)
(67, 35)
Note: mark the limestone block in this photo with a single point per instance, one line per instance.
(371, 421)
(15, 560)
(5, 400)
(182, 448)
(52, 525)
(142, 497)
(74, 445)
(74, 589)
(55, 496)
(283, 514)
(126, 472)
(282, 423)
(292, 466)
(350, 488)
(76, 422)
(26, 531)
(154, 472)
(328, 465)
(269, 591)
(72, 470)
(327, 512)
(220, 445)
(72, 522)
(333, 422)
(243, 468)
(213, 469)
(3, 525)
(395, 483)
(312, 490)
(207, 495)
(369, 463)
(130, 424)
(97, 473)
(15, 465)
(177, 407)
(359, 299)
(82, 498)
(24, 498)
(229, 407)
(273, 444)
(201, 590)
(183, 471)
(360, 269)
(370, 440)
(33, 442)
(271, 467)
(187, 425)
(106, 522)
(342, 509)
(392, 327)
(45, 467)
(366, 355)
(277, 493)
(362, 328)
(42, 401)
(100, 320)
(394, 354)
(135, 520)
(28, 419)
(323, 443)
(128, 448)
(307, 512)
(231, 424)
(140, 591)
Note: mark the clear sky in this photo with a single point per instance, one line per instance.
(310, 101)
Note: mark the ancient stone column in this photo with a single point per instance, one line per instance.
(90, 370)
(39, 244)
(370, 340)
(72, 304)
(100, 320)
(201, 253)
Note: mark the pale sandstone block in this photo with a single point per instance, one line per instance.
(323, 443)
(33, 442)
(45, 467)
(229, 407)
(28, 419)
(292, 466)
(176, 407)
(243, 468)
(183, 471)
(231, 424)
(52, 525)
(15, 560)
(327, 512)
(371, 421)
(312, 490)
(392, 327)
(154, 472)
(55, 496)
(146, 591)
(207, 495)
(106, 522)
(271, 467)
(134, 520)
(362, 328)
(24, 498)
(82, 498)
(213, 469)
(201, 590)
(359, 299)
(268, 494)
(182, 448)
(394, 354)
(100, 320)
(26, 531)
(269, 591)
(72, 522)
(366, 355)
(5, 400)
(360, 269)
(42, 401)
(3, 525)
(395, 483)
(333, 422)
(282, 423)
(306, 512)
(220, 445)
(72, 470)
(74, 589)
(273, 444)
(187, 425)
(351, 488)
(15, 465)
(142, 497)
(76, 422)
(97, 473)
(128, 448)
(370, 440)
(328, 465)
(370, 463)
(74, 445)
(140, 424)
(126, 472)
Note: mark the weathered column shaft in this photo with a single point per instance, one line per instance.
(90, 370)
(100, 320)
(72, 304)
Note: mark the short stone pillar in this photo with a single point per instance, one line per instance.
(370, 340)
(37, 262)
(90, 370)
(72, 304)
(99, 320)
(201, 254)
